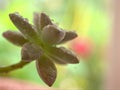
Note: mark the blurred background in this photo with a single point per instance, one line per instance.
(89, 18)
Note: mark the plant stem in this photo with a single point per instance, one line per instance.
(13, 67)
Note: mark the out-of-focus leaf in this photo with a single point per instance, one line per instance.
(23, 25)
(51, 34)
(57, 60)
(46, 70)
(36, 21)
(15, 38)
(63, 55)
(69, 36)
(44, 20)
(30, 52)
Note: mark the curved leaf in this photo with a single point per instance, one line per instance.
(30, 52)
(44, 20)
(69, 36)
(36, 21)
(63, 55)
(46, 70)
(41, 20)
(15, 38)
(57, 60)
(23, 25)
(51, 34)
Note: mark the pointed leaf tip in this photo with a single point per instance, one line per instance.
(46, 70)
(44, 20)
(24, 26)
(69, 36)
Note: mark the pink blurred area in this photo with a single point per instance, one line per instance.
(82, 46)
(14, 84)
(112, 75)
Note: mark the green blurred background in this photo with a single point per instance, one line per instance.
(89, 18)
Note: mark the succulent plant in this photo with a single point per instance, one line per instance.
(40, 42)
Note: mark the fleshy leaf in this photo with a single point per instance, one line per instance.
(44, 20)
(64, 55)
(57, 60)
(23, 25)
(15, 38)
(46, 70)
(30, 52)
(36, 21)
(51, 34)
(69, 36)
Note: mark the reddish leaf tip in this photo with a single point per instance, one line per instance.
(5, 34)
